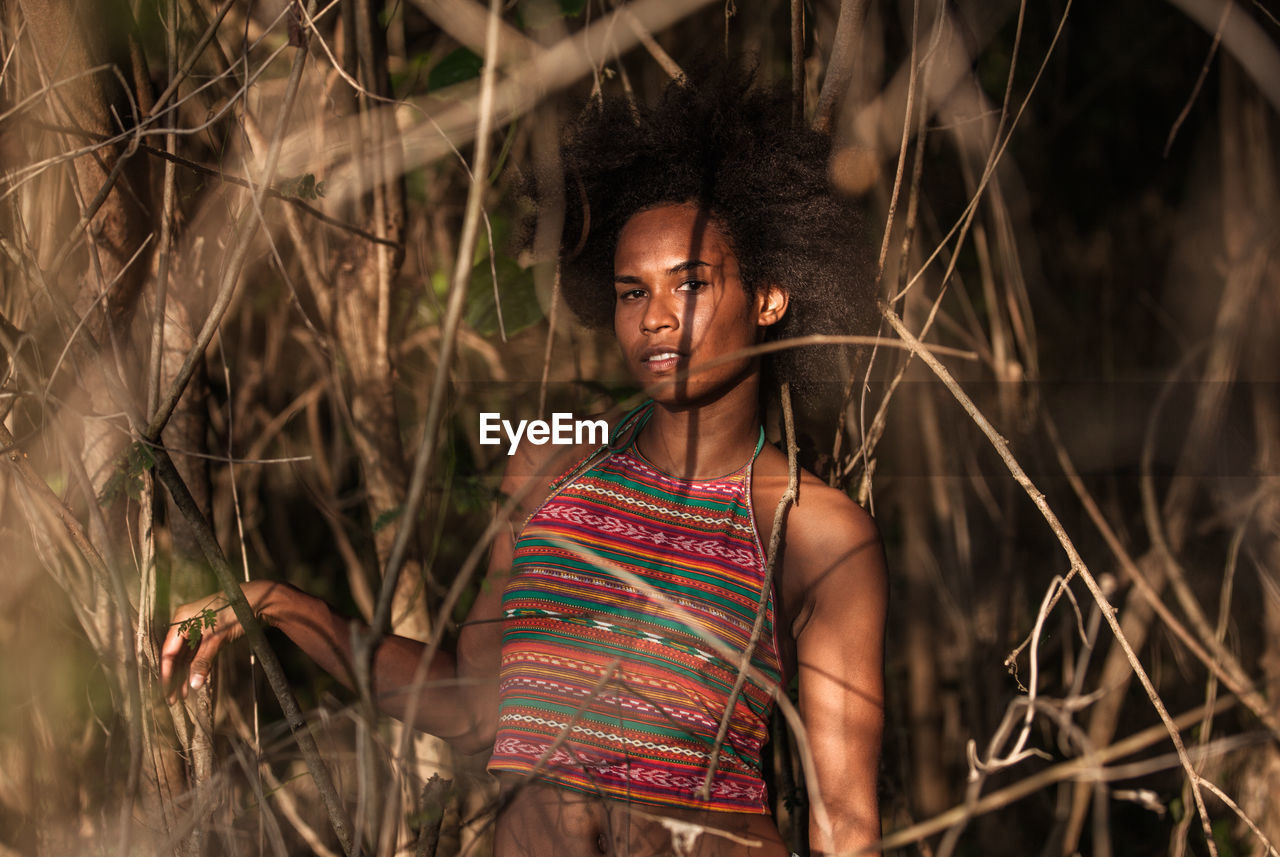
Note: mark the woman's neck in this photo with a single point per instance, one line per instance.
(703, 442)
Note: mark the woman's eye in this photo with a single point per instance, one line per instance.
(631, 295)
(693, 285)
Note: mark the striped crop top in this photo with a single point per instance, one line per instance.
(604, 688)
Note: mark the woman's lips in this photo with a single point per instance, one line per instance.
(661, 360)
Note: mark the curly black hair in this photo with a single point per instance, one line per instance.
(728, 146)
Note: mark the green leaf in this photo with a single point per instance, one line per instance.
(1222, 838)
(304, 186)
(415, 185)
(462, 64)
(57, 483)
(127, 478)
(406, 78)
(440, 283)
(386, 517)
(535, 16)
(520, 307)
(195, 627)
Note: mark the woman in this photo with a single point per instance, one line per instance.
(617, 610)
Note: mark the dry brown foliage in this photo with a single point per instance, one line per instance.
(256, 285)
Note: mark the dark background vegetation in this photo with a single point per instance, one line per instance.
(1109, 304)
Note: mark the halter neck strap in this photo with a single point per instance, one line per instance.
(630, 426)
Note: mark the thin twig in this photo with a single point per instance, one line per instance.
(785, 503)
(1245, 40)
(522, 88)
(272, 193)
(448, 338)
(551, 338)
(271, 667)
(1073, 769)
(19, 177)
(997, 152)
(1199, 84)
(1077, 563)
(47, 88)
(1220, 661)
(1179, 837)
(869, 438)
(91, 208)
(797, 63)
(1262, 837)
(912, 80)
(117, 603)
(235, 261)
(176, 79)
(664, 60)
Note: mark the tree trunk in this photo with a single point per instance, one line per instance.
(364, 280)
(69, 38)
(94, 264)
(1251, 209)
(924, 635)
(364, 276)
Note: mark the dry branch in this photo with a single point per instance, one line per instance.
(789, 498)
(266, 656)
(448, 338)
(240, 243)
(1083, 768)
(521, 88)
(1244, 39)
(1077, 564)
(840, 67)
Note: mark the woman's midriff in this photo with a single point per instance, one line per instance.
(543, 820)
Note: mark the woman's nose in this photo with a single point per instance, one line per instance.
(660, 313)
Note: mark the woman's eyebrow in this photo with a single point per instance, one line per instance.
(630, 279)
(688, 266)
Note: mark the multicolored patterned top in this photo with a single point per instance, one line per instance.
(604, 686)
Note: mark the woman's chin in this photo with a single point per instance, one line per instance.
(678, 394)
(682, 390)
(669, 392)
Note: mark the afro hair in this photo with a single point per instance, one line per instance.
(727, 146)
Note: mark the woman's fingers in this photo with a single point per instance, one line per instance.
(194, 638)
(198, 632)
(198, 672)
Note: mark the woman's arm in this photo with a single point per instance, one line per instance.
(455, 701)
(458, 700)
(835, 561)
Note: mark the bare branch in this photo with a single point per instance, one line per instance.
(788, 499)
(840, 68)
(235, 261)
(1243, 39)
(1077, 564)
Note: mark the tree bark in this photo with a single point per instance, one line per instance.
(1250, 209)
(364, 277)
(69, 38)
(364, 281)
(96, 263)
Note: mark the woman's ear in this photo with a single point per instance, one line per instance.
(771, 304)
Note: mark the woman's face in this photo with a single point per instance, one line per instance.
(680, 304)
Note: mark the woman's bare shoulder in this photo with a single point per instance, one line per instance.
(817, 504)
(827, 534)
